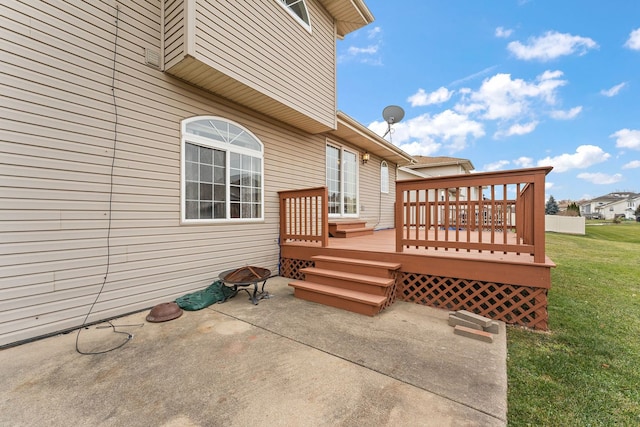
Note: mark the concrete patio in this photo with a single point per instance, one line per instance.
(284, 362)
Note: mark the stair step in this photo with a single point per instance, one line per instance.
(356, 266)
(353, 232)
(355, 262)
(346, 299)
(357, 282)
(345, 225)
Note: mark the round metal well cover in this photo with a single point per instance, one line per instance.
(163, 312)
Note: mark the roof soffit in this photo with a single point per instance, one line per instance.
(358, 135)
(350, 15)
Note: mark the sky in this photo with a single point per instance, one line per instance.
(507, 84)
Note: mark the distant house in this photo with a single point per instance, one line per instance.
(150, 139)
(610, 206)
(425, 166)
(624, 208)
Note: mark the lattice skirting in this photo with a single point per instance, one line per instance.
(290, 268)
(392, 292)
(520, 305)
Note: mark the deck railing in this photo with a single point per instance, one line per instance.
(304, 215)
(492, 211)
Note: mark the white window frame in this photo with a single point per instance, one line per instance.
(228, 148)
(287, 7)
(342, 149)
(384, 177)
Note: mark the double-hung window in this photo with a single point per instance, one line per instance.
(222, 178)
(342, 181)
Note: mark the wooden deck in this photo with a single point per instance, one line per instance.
(473, 242)
(472, 264)
(502, 286)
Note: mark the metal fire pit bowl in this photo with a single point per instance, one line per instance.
(247, 276)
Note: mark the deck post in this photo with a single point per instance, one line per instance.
(283, 218)
(399, 217)
(325, 218)
(539, 219)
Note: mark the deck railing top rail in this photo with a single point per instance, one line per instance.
(478, 179)
(491, 211)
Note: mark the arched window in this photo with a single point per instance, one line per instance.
(298, 9)
(221, 178)
(384, 177)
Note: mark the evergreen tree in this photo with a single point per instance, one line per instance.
(551, 207)
(573, 209)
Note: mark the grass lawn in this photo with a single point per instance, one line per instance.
(586, 370)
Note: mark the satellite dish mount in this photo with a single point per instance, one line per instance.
(392, 114)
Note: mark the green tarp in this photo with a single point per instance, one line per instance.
(198, 300)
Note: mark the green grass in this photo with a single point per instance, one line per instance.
(586, 370)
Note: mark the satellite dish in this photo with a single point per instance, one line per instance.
(392, 114)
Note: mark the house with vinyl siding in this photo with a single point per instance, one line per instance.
(144, 144)
(611, 205)
(425, 167)
(624, 206)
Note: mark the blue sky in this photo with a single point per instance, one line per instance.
(506, 84)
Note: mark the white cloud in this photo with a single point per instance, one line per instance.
(369, 54)
(501, 97)
(634, 40)
(504, 33)
(423, 148)
(495, 166)
(421, 98)
(524, 129)
(524, 162)
(551, 45)
(600, 178)
(585, 156)
(429, 133)
(634, 164)
(613, 91)
(626, 138)
(548, 185)
(369, 50)
(374, 32)
(517, 129)
(566, 115)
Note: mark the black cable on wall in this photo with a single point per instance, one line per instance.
(111, 176)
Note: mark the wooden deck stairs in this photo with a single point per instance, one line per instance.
(361, 286)
(344, 229)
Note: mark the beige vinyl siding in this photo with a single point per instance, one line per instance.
(382, 216)
(375, 207)
(441, 170)
(227, 38)
(57, 125)
(286, 72)
(173, 32)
